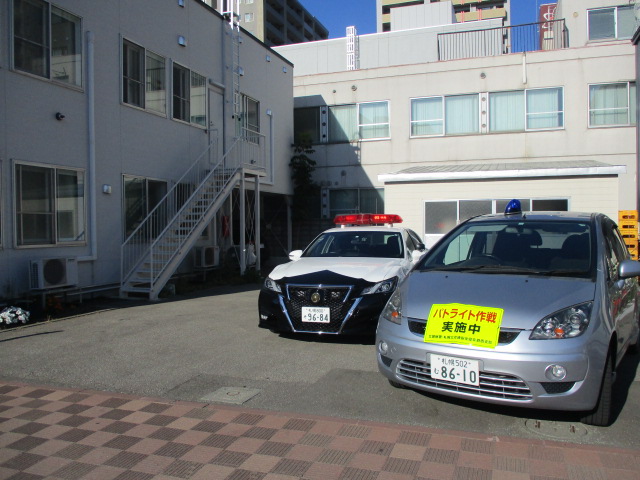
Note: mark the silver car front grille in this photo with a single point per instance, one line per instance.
(492, 385)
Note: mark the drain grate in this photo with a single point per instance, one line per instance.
(234, 395)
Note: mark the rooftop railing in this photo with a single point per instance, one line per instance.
(531, 37)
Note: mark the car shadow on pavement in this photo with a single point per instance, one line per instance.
(331, 339)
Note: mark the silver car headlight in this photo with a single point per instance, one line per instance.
(270, 284)
(393, 309)
(568, 323)
(384, 286)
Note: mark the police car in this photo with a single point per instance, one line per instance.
(341, 282)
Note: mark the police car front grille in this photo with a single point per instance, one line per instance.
(492, 385)
(505, 337)
(336, 298)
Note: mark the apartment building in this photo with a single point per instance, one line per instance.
(276, 22)
(394, 15)
(551, 123)
(138, 140)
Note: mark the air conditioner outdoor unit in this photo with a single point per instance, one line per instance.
(208, 256)
(53, 272)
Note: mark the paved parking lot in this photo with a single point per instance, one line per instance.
(209, 349)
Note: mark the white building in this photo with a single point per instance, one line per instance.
(438, 124)
(114, 120)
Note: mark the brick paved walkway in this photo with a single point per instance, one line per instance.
(51, 433)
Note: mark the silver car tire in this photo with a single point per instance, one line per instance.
(601, 416)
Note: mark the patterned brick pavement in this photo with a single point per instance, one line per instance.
(51, 433)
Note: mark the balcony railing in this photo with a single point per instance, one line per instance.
(551, 35)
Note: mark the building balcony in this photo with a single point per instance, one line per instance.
(481, 15)
(401, 3)
(531, 37)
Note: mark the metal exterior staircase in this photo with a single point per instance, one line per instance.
(157, 247)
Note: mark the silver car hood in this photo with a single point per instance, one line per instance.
(369, 269)
(525, 299)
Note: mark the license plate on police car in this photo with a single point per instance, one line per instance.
(316, 314)
(452, 369)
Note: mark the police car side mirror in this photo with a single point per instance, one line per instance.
(295, 255)
(421, 247)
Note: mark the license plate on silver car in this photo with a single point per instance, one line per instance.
(316, 314)
(453, 369)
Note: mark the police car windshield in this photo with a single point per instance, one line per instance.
(552, 248)
(357, 244)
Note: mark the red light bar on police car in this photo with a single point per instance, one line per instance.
(367, 219)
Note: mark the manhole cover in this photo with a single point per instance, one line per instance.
(563, 430)
(235, 395)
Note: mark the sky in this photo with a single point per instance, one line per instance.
(337, 15)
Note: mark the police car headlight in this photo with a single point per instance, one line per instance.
(385, 286)
(393, 309)
(568, 323)
(270, 284)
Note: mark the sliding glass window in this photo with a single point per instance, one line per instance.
(612, 104)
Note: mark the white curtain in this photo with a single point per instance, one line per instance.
(461, 114)
(506, 111)
(343, 125)
(374, 120)
(608, 104)
(426, 116)
(544, 108)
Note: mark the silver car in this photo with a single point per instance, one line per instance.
(529, 309)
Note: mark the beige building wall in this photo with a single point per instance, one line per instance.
(584, 195)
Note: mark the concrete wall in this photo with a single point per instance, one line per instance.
(426, 15)
(129, 140)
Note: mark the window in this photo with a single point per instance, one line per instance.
(143, 78)
(506, 111)
(614, 23)
(47, 41)
(141, 195)
(461, 114)
(373, 120)
(612, 104)
(544, 108)
(449, 115)
(249, 121)
(355, 200)
(50, 207)
(427, 116)
(442, 216)
(189, 96)
(248, 17)
(362, 121)
(306, 124)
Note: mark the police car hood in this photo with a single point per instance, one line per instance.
(368, 269)
(525, 299)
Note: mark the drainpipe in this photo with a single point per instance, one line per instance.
(91, 147)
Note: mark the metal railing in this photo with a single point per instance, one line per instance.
(531, 37)
(166, 229)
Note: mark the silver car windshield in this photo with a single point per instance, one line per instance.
(555, 248)
(357, 244)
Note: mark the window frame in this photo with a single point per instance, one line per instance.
(631, 119)
(143, 81)
(52, 172)
(365, 125)
(187, 100)
(47, 46)
(443, 118)
(148, 206)
(616, 33)
(527, 113)
(413, 122)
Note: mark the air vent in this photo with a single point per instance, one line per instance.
(53, 272)
(207, 256)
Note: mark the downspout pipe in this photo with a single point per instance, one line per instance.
(91, 152)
